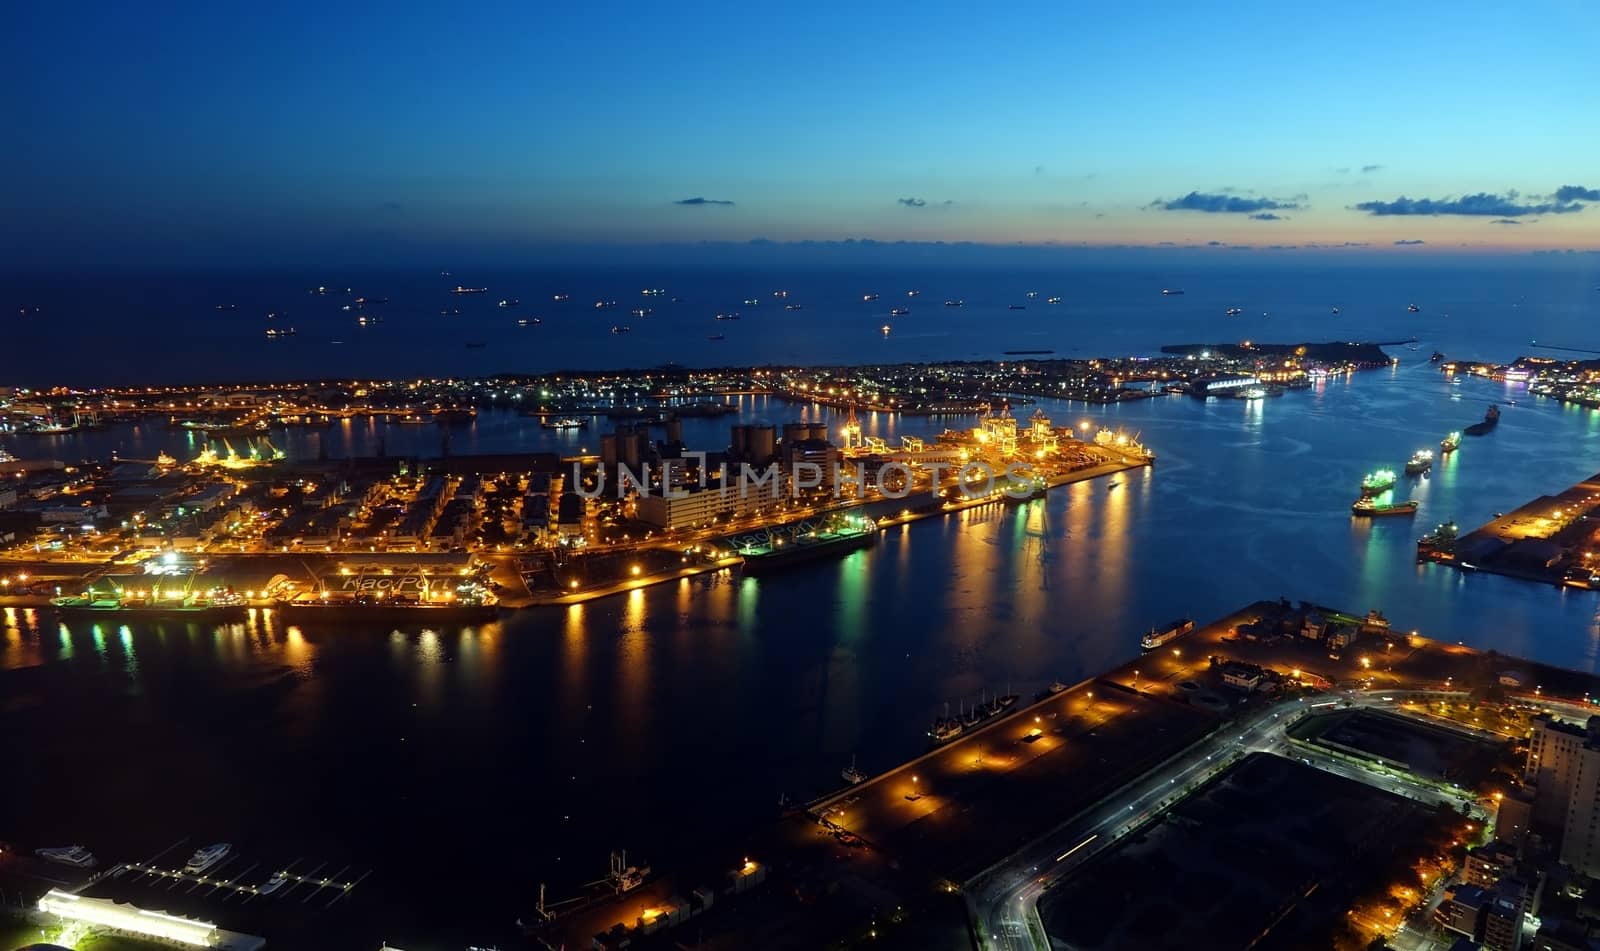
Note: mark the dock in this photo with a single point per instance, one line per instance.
(1551, 540)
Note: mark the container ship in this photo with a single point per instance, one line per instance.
(1161, 635)
(1491, 419)
(1373, 508)
(793, 548)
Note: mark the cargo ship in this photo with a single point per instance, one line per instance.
(1491, 419)
(1161, 635)
(218, 607)
(1377, 482)
(1373, 508)
(791, 548)
(390, 610)
(1439, 543)
(1450, 443)
(1421, 461)
(458, 289)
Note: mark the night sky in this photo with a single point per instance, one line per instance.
(147, 135)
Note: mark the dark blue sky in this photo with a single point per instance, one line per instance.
(277, 133)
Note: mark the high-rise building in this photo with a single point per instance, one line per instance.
(1564, 767)
(1502, 917)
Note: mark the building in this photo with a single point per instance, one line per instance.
(1242, 676)
(702, 506)
(1564, 768)
(755, 443)
(1486, 865)
(1502, 917)
(1462, 910)
(1513, 816)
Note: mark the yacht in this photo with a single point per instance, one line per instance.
(74, 855)
(277, 881)
(204, 858)
(900, 312)
(869, 297)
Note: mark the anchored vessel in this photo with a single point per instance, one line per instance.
(1491, 419)
(1377, 482)
(1372, 507)
(1421, 461)
(1450, 443)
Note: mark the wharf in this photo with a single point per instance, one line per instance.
(1551, 539)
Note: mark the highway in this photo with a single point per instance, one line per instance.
(1003, 901)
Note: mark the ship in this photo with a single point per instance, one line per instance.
(1421, 461)
(388, 610)
(1053, 300)
(1381, 480)
(752, 302)
(885, 329)
(1032, 295)
(458, 289)
(1233, 311)
(1491, 419)
(912, 293)
(900, 312)
(1016, 307)
(565, 422)
(642, 312)
(1171, 291)
(717, 337)
(1161, 635)
(1439, 542)
(204, 858)
(1336, 312)
(558, 298)
(604, 304)
(869, 298)
(620, 328)
(852, 775)
(225, 606)
(954, 302)
(947, 728)
(529, 322)
(1372, 507)
(277, 881)
(476, 345)
(274, 333)
(727, 316)
(1413, 308)
(1450, 443)
(654, 292)
(780, 552)
(791, 307)
(1437, 356)
(74, 855)
(509, 302)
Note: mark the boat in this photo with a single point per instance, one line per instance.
(852, 775)
(558, 298)
(458, 289)
(1437, 356)
(752, 302)
(1171, 291)
(1016, 307)
(1233, 311)
(869, 297)
(1380, 480)
(791, 307)
(388, 610)
(1421, 461)
(900, 312)
(620, 328)
(912, 293)
(780, 293)
(767, 552)
(510, 302)
(885, 329)
(74, 855)
(717, 337)
(219, 607)
(1413, 308)
(654, 292)
(204, 858)
(1336, 312)
(953, 302)
(1491, 419)
(1440, 541)
(274, 333)
(565, 422)
(642, 312)
(277, 881)
(1158, 636)
(727, 316)
(946, 729)
(1053, 300)
(1372, 507)
(529, 322)
(1450, 443)
(1112, 485)
(1032, 295)
(604, 304)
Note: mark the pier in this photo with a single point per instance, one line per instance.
(1551, 540)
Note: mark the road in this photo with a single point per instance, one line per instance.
(1004, 900)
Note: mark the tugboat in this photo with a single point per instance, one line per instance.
(1373, 508)
(1421, 461)
(1450, 443)
(1377, 482)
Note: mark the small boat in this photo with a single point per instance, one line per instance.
(1016, 307)
(900, 312)
(277, 881)
(274, 333)
(1233, 311)
(74, 855)
(1171, 291)
(717, 337)
(204, 858)
(620, 328)
(780, 293)
(852, 775)
(510, 302)
(886, 328)
(565, 422)
(1053, 300)
(1413, 308)
(869, 297)
(912, 293)
(1112, 485)
(642, 312)
(1437, 356)
(752, 302)
(604, 304)
(558, 298)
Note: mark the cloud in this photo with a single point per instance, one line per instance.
(1369, 169)
(1568, 193)
(1222, 204)
(1509, 205)
(1505, 221)
(1408, 241)
(697, 200)
(1267, 216)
